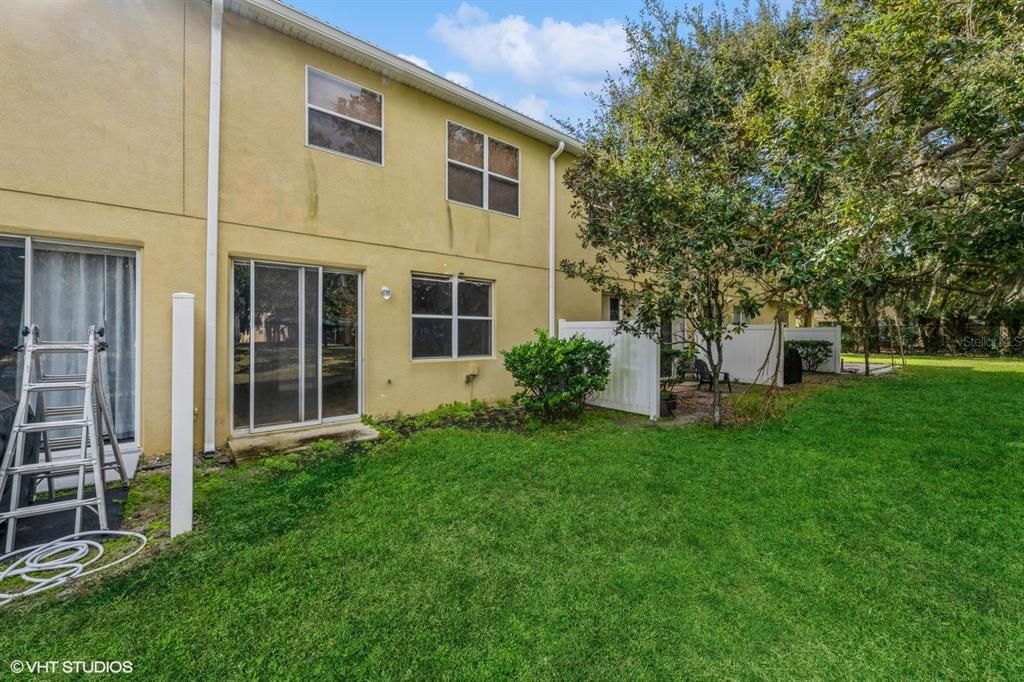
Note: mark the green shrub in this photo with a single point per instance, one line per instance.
(814, 353)
(557, 375)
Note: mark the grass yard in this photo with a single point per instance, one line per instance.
(876, 530)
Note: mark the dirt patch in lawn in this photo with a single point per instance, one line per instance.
(746, 404)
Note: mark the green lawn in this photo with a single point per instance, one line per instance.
(874, 531)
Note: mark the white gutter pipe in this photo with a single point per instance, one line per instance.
(551, 238)
(212, 218)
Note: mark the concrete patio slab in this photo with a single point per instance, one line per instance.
(291, 439)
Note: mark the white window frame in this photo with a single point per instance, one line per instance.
(486, 172)
(134, 444)
(250, 428)
(308, 106)
(452, 280)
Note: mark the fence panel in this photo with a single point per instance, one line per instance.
(834, 334)
(746, 355)
(633, 381)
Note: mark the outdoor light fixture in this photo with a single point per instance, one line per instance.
(385, 293)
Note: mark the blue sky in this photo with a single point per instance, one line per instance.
(538, 57)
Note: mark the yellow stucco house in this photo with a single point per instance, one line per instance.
(361, 235)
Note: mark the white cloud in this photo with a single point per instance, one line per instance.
(565, 57)
(532, 106)
(418, 61)
(463, 79)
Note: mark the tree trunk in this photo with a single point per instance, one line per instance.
(899, 337)
(716, 388)
(866, 335)
(780, 360)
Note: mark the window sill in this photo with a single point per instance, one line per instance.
(379, 164)
(467, 358)
(481, 208)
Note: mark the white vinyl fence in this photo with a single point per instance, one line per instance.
(182, 405)
(633, 382)
(834, 334)
(745, 355)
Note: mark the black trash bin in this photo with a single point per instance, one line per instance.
(793, 367)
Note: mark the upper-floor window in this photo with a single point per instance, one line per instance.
(611, 308)
(343, 117)
(482, 171)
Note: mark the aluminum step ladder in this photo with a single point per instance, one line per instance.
(92, 419)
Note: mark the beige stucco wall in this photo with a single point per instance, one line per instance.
(103, 134)
(92, 149)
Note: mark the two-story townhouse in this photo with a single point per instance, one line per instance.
(370, 235)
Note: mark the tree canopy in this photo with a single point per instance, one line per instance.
(837, 155)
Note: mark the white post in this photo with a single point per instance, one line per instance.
(837, 348)
(182, 399)
(780, 358)
(653, 386)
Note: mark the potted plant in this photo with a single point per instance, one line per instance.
(673, 358)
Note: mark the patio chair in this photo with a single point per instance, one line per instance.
(684, 368)
(704, 375)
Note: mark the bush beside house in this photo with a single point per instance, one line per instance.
(557, 375)
(813, 352)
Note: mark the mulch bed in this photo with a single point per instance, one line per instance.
(489, 418)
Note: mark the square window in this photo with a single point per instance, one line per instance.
(503, 159)
(451, 317)
(482, 171)
(503, 196)
(474, 338)
(342, 97)
(465, 185)
(431, 296)
(343, 136)
(465, 146)
(343, 117)
(431, 337)
(474, 298)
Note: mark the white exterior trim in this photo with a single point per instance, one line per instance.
(212, 237)
(551, 238)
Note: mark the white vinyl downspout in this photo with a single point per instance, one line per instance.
(551, 239)
(212, 217)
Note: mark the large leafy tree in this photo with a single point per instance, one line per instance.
(850, 154)
(668, 188)
(904, 119)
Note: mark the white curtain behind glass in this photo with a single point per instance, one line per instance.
(72, 290)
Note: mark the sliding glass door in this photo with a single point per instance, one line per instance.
(276, 345)
(296, 345)
(12, 307)
(64, 288)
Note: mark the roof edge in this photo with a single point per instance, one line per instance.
(392, 66)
